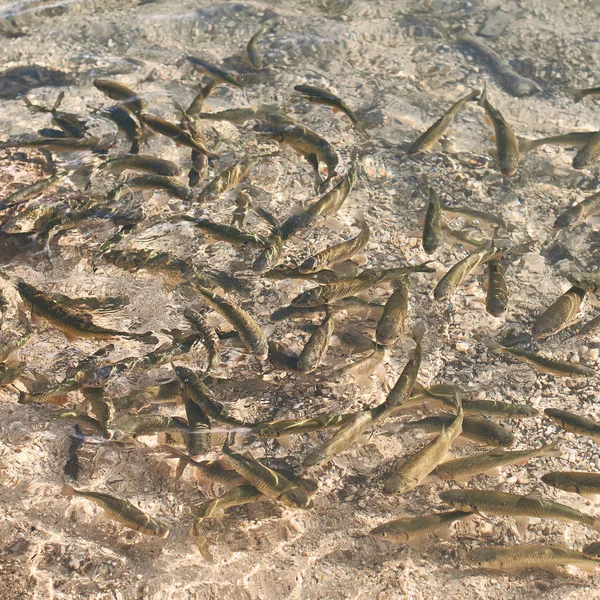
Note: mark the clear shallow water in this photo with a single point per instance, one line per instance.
(399, 67)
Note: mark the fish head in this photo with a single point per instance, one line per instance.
(295, 498)
(592, 550)
(382, 532)
(484, 557)
(155, 529)
(308, 298)
(458, 500)
(309, 265)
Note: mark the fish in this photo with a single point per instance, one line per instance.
(240, 213)
(253, 54)
(210, 339)
(527, 556)
(462, 469)
(70, 124)
(579, 95)
(172, 131)
(309, 144)
(574, 423)
(271, 253)
(589, 154)
(193, 388)
(271, 483)
(390, 326)
(276, 429)
(338, 252)
(56, 144)
(26, 192)
(198, 435)
(240, 116)
(125, 426)
(475, 217)
(444, 395)
(453, 278)
(209, 470)
(584, 484)
(515, 84)
(122, 118)
(558, 368)
(88, 422)
(153, 261)
(591, 327)
(497, 293)
(431, 135)
(352, 304)
(404, 385)
(403, 530)
(359, 370)
(515, 505)
(72, 466)
(214, 72)
(227, 179)
(326, 206)
(282, 272)
(72, 323)
(578, 214)
(331, 292)
(506, 142)
(117, 91)
(101, 406)
(121, 511)
(576, 139)
(560, 314)
(93, 303)
(345, 436)
(195, 108)
(318, 95)
(226, 233)
(316, 347)
(412, 472)
(248, 329)
(169, 185)
(432, 228)
(141, 162)
(476, 429)
(590, 282)
(592, 550)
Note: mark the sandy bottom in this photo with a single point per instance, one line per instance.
(398, 65)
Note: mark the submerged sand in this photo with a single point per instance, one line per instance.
(399, 66)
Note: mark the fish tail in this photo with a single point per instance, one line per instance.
(551, 450)
(474, 95)
(577, 95)
(418, 332)
(525, 145)
(68, 490)
(483, 98)
(422, 268)
(146, 338)
(493, 347)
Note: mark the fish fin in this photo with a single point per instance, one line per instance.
(493, 472)
(461, 441)
(492, 346)
(445, 533)
(359, 259)
(68, 490)
(417, 544)
(525, 145)
(535, 495)
(71, 337)
(593, 497)
(577, 95)
(522, 523)
(591, 569)
(418, 332)
(552, 449)
(334, 224)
